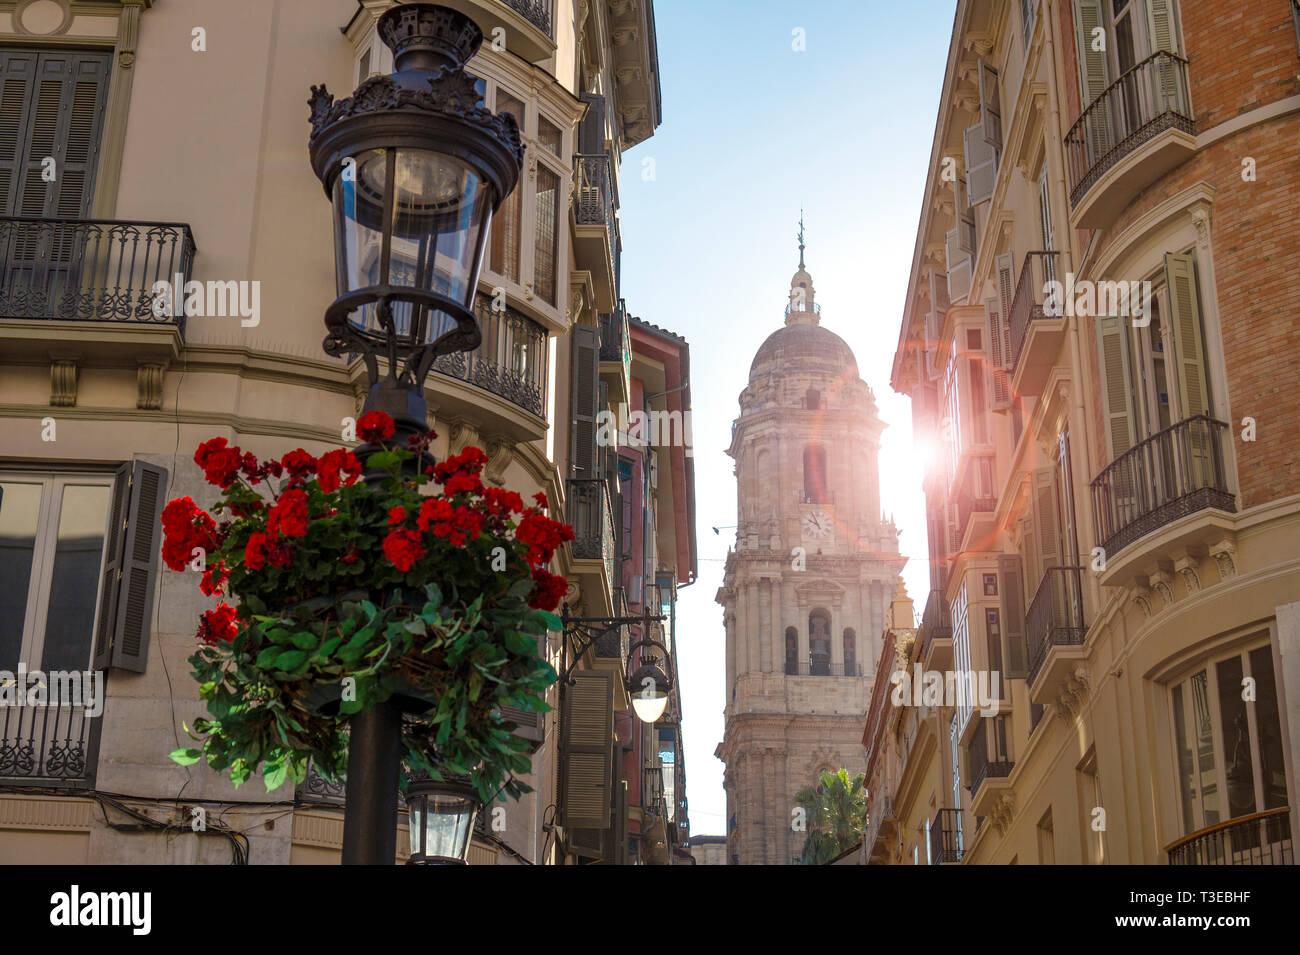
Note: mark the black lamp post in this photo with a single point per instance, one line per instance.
(415, 166)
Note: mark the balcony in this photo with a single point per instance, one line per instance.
(989, 764)
(1174, 473)
(803, 310)
(616, 353)
(1055, 622)
(100, 273)
(819, 667)
(597, 243)
(510, 364)
(1137, 130)
(528, 25)
(945, 837)
(882, 828)
(936, 629)
(48, 746)
(1035, 337)
(591, 514)
(968, 505)
(1262, 838)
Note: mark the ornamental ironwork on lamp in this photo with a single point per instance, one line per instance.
(441, 819)
(415, 166)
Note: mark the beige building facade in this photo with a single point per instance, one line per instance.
(807, 586)
(176, 131)
(1095, 329)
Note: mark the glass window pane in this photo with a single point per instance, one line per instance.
(548, 204)
(74, 586)
(1203, 733)
(1272, 768)
(1238, 765)
(548, 134)
(20, 505)
(1186, 762)
(507, 225)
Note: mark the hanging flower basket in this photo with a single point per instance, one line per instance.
(354, 592)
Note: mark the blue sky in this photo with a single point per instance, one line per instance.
(752, 131)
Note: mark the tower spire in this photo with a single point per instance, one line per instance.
(801, 265)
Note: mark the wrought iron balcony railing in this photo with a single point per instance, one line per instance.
(1262, 838)
(591, 515)
(510, 362)
(1036, 271)
(815, 308)
(536, 12)
(1055, 617)
(945, 837)
(615, 336)
(983, 763)
(936, 622)
(595, 200)
(1148, 99)
(86, 270)
(1171, 474)
(49, 746)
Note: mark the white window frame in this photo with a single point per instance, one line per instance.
(53, 484)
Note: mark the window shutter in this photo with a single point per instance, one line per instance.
(17, 71)
(591, 131)
(1163, 34)
(1048, 534)
(1011, 590)
(981, 164)
(1116, 384)
(67, 112)
(934, 320)
(990, 107)
(586, 739)
(139, 567)
(1185, 325)
(110, 580)
(999, 314)
(584, 397)
(1094, 74)
(620, 828)
(959, 245)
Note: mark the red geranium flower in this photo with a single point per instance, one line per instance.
(332, 463)
(299, 464)
(185, 527)
(540, 498)
(289, 515)
(435, 515)
(542, 535)
(217, 624)
(499, 501)
(463, 482)
(214, 579)
(403, 548)
(280, 554)
(397, 515)
(469, 461)
(548, 590)
(375, 426)
(220, 463)
(255, 551)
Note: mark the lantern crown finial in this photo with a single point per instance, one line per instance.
(426, 36)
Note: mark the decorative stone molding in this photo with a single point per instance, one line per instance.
(1074, 692)
(1224, 554)
(42, 17)
(460, 435)
(63, 382)
(500, 451)
(149, 385)
(1004, 810)
(1142, 597)
(1160, 582)
(1186, 567)
(1200, 216)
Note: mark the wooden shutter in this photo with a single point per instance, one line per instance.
(981, 165)
(1164, 37)
(1163, 34)
(110, 581)
(1189, 366)
(584, 455)
(990, 107)
(1094, 75)
(586, 740)
(591, 131)
(1045, 514)
(619, 831)
(17, 73)
(1011, 591)
(139, 578)
(999, 322)
(1116, 384)
(65, 119)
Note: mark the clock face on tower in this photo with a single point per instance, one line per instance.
(817, 525)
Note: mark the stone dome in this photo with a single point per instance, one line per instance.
(804, 348)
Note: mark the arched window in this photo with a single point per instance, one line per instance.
(791, 650)
(850, 652)
(814, 475)
(819, 643)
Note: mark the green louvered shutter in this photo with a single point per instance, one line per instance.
(586, 741)
(1189, 365)
(1094, 75)
(139, 567)
(1164, 37)
(110, 582)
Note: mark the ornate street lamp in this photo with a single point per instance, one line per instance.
(648, 686)
(415, 167)
(442, 814)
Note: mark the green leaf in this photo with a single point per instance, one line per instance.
(551, 620)
(266, 659)
(304, 640)
(521, 588)
(521, 644)
(276, 775)
(291, 660)
(186, 757)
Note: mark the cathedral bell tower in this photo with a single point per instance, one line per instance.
(809, 581)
